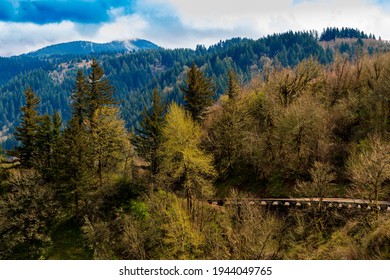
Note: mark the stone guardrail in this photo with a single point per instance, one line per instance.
(339, 203)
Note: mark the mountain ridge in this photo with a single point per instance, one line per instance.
(135, 74)
(81, 47)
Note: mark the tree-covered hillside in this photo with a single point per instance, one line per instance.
(87, 188)
(330, 34)
(90, 48)
(134, 75)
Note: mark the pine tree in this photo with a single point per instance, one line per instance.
(198, 93)
(148, 139)
(27, 131)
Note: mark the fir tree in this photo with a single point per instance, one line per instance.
(233, 87)
(148, 139)
(27, 131)
(198, 93)
(44, 139)
(47, 140)
(99, 90)
(79, 99)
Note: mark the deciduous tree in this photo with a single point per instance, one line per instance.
(369, 169)
(183, 161)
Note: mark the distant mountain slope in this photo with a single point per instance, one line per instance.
(134, 75)
(87, 48)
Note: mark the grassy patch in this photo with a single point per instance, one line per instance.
(68, 243)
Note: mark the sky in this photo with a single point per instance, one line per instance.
(27, 25)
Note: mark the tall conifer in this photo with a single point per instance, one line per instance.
(79, 99)
(27, 131)
(198, 93)
(148, 139)
(99, 90)
(233, 87)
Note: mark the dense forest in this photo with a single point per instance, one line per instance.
(330, 34)
(135, 75)
(84, 187)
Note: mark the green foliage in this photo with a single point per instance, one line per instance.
(226, 131)
(288, 127)
(79, 100)
(233, 85)
(148, 139)
(110, 141)
(139, 210)
(48, 141)
(183, 161)
(28, 129)
(333, 33)
(180, 239)
(134, 74)
(95, 146)
(168, 231)
(27, 215)
(198, 92)
(376, 242)
(68, 242)
(99, 91)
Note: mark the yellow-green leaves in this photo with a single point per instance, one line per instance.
(183, 161)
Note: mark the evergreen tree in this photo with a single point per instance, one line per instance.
(76, 153)
(27, 131)
(95, 140)
(79, 99)
(47, 140)
(233, 87)
(44, 139)
(99, 90)
(57, 124)
(198, 93)
(76, 149)
(148, 139)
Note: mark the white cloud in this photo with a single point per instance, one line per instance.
(258, 18)
(123, 28)
(17, 38)
(185, 23)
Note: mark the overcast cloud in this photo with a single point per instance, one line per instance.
(26, 25)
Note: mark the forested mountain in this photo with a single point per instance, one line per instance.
(50, 72)
(329, 34)
(88, 48)
(87, 188)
